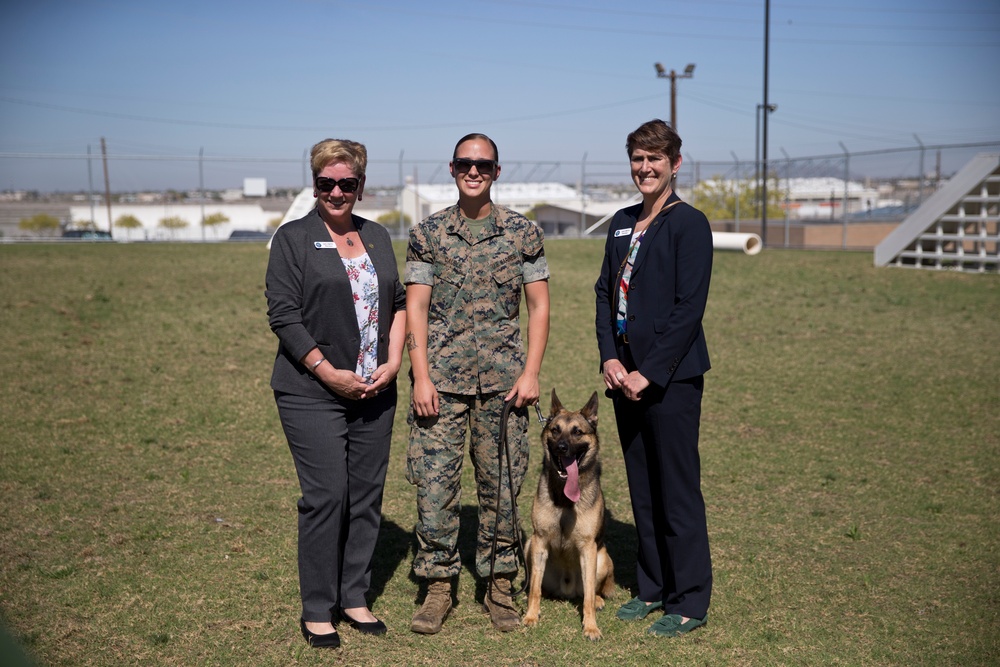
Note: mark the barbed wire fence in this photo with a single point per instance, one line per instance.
(884, 184)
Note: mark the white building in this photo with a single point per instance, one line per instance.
(813, 198)
(823, 198)
(579, 218)
(244, 217)
(305, 201)
(419, 201)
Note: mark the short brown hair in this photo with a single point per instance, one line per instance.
(349, 152)
(655, 136)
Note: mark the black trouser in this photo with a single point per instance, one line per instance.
(341, 453)
(659, 437)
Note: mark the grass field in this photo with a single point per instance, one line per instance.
(850, 449)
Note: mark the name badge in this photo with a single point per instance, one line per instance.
(623, 232)
(320, 245)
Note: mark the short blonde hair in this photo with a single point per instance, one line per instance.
(349, 152)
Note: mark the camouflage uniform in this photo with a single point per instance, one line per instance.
(475, 355)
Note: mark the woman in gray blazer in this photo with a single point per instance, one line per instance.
(337, 306)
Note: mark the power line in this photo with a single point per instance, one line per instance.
(303, 128)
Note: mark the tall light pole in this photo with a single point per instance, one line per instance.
(847, 178)
(761, 180)
(662, 73)
(767, 107)
(201, 189)
(107, 183)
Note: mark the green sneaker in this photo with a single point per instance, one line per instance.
(670, 625)
(635, 609)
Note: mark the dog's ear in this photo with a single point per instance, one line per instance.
(556, 405)
(589, 411)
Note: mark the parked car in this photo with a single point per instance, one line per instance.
(87, 235)
(249, 235)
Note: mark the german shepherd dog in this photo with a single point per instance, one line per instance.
(566, 557)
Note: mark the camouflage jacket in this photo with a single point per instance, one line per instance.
(473, 330)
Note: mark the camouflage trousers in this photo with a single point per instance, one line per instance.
(434, 465)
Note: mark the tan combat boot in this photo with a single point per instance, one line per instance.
(500, 606)
(437, 604)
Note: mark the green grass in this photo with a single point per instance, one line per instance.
(849, 443)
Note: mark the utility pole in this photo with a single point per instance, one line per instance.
(760, 176)
(90, 189)
(201, 190)
(767, 109)
(416, 207)
(847, 177)
(737, 198)
(107, 184)
(920, 180)
(662, 73)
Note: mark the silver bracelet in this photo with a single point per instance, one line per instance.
(316, 365)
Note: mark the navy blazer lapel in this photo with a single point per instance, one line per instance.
(658, 223)
(623, 235)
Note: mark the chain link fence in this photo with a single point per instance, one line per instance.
(845, 200)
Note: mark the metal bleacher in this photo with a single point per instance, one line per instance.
(957, 228)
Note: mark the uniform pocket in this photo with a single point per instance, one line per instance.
(507, 281)
(448, 281)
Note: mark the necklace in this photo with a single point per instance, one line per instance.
(346, 235)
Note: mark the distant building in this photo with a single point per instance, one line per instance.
(589, 218)
(816, 198)
(560, 204)
(419, 201)
(249, 217)
(254, 187)
(823, 198)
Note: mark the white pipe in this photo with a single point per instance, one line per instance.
(748, 243)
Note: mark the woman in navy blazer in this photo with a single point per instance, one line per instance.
(337, 306)
(651, 298)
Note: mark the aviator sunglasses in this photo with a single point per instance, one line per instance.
(346, 185)
(464, 165)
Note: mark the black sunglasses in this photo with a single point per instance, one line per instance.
(346, 185)
(464, 165)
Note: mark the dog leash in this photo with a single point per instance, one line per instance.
(503, 452)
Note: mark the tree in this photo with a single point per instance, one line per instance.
(391, 218)
(128, 222)
(42, 224)
(214, 220)
(173, 223)
(721, 199)
(533, 213)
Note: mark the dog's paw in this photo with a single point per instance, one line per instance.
(598, 603)
(530, 620)
(592, 633)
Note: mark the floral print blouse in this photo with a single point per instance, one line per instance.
(364, 285)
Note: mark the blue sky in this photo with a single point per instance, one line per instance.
(551, 82)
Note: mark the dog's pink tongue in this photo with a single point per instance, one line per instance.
(572, 488)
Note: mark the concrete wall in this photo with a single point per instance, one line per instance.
(860, 235)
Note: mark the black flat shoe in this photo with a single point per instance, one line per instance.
(376, 627)
(331, 640)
